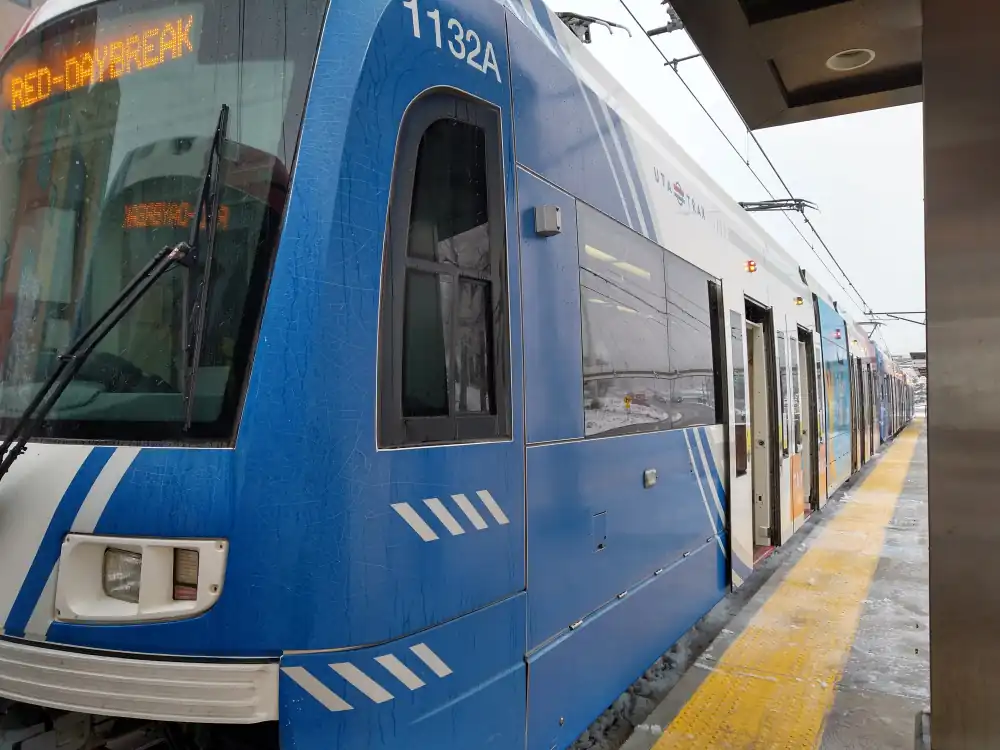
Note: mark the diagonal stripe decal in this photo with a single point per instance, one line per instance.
(329, 699)
(48, 550)
(712, 461)
(470, 511)
(84, 523)
(438, 509)
(493, 507)
(446, 518)
(400, 671)
(713, 488)
(432, 660)
(364, 683)
(419, 525)
(701, 489)
(102, 490)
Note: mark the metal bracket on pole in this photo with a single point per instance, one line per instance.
(580, 25)
(675, 23)
(780, 204)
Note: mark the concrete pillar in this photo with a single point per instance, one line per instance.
(961, 53)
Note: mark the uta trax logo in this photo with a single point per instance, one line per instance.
(684, 200)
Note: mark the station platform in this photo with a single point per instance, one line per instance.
(832, 651)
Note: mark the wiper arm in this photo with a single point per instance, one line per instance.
(74, 357)
(185, 254)
(193, 333)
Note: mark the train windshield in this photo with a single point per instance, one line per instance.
(108, 118)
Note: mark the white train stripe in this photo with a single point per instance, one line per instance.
(31, 493)
(438, 509)
(416, 523)
(44, 611)
(470, 511)
(315, 688)
(625, 167)
(713, 489)
(362, 682)
(400, 671)
(103, 488)
(701, 488)
(432, 660)
(85, 522)
(555, 46)
(491, 505)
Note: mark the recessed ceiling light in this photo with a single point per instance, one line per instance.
(850, 59)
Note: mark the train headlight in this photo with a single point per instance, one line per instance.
(118, 579)
(122, 574)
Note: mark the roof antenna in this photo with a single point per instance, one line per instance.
(580, 25)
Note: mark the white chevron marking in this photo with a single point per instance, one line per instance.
(470, 511)
(432, 660)
(701, 489)
(438, 509)
(362, 682)
(492, 507)
(317, 689)
(400, 671)
(416, 523)
(713, 488)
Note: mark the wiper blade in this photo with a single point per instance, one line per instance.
(193, 333)
(74, 357)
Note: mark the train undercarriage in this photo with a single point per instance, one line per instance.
(27, 727)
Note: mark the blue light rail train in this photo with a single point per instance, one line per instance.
(378, 374)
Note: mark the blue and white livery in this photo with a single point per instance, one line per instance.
(472, 394)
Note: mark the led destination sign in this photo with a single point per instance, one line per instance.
(167, 214)
(144, 49)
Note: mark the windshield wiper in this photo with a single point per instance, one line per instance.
(184, 254)
(193, 333)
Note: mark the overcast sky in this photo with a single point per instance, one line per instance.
(865, 171)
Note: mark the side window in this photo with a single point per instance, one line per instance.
(691, 343)
(648, 359)
(739, 392)
(443, 339)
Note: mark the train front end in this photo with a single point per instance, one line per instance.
(133, 579)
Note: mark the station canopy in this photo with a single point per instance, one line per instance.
(787, 61)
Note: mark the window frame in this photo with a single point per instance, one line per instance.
(393, 429)
(591, 223)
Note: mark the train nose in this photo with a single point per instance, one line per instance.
(49, 491)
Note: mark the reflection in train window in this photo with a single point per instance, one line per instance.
(648, 359)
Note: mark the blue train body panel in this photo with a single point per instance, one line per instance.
(594, 530)
(461, 685)
(550, 293)
(575, 676)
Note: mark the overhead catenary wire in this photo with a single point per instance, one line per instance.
(865, 307)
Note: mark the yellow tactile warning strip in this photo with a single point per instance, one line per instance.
(774, 686)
